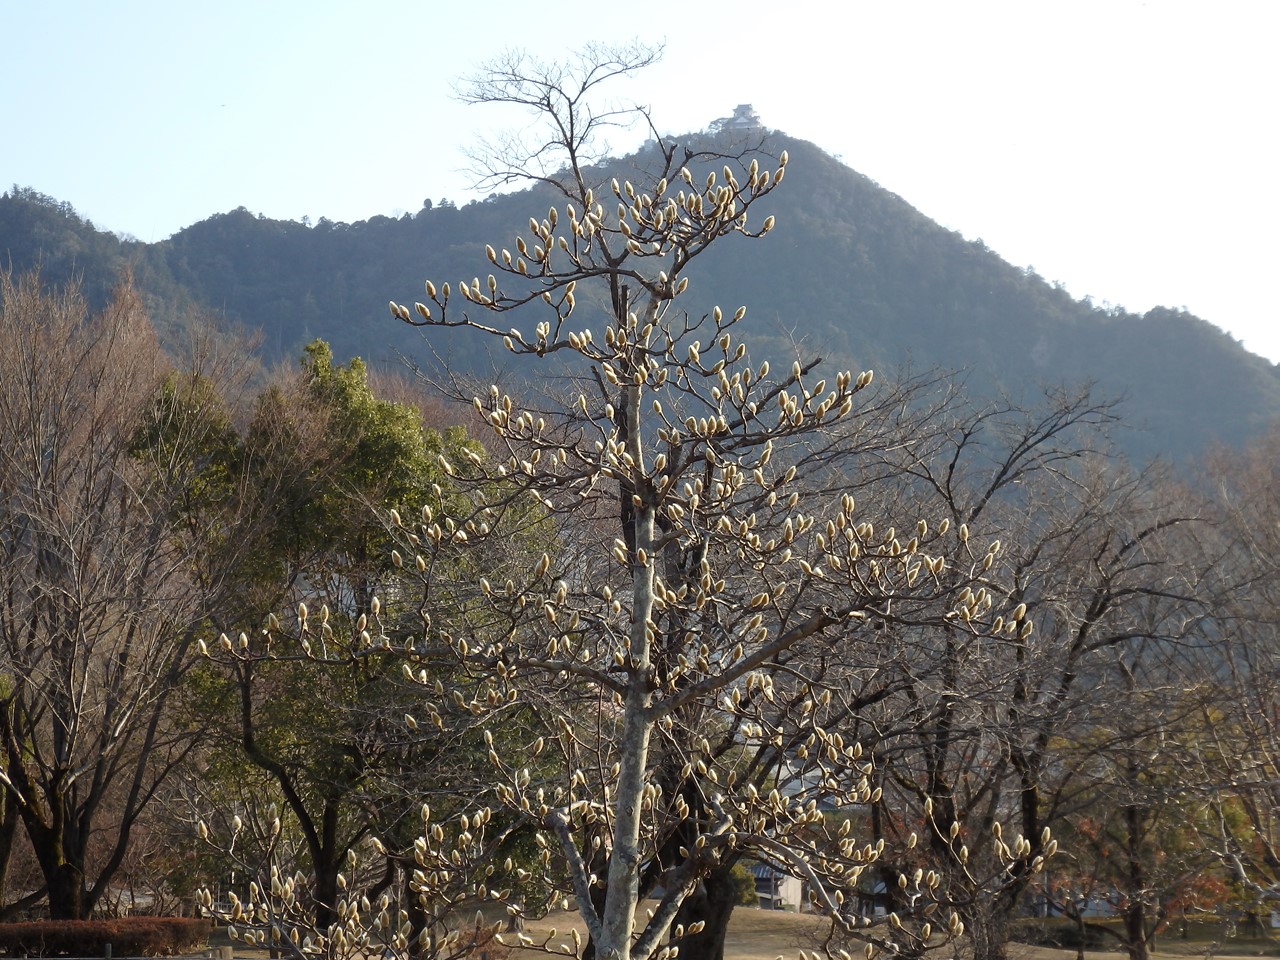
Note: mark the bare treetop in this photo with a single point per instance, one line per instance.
(570, 127)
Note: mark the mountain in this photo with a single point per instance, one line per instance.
(851, 272)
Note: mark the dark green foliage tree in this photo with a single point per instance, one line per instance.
(331, 454)
(327, 727)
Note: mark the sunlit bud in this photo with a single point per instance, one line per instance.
(375, 605)
(431, 290)
(768, 224)
(964, 533)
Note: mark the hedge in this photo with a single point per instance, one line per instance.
(128, 937)
(1059, 932)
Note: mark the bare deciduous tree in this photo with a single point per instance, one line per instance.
(1236, 762)
(983, 732)
(100, 598)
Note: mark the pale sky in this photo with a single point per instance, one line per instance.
(1129, 150)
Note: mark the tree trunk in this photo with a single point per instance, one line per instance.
(411, 903)
(328, 856)
(712, 903)
(1135, 915)
(1135, 930)
(8, 832)
(987, 928)
(66, 893)
(61, 857)
(326, 894)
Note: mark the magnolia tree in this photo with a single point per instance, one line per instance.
(696, 582)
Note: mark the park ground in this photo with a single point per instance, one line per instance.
(770, 934)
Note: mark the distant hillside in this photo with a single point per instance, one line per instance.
(852, 272)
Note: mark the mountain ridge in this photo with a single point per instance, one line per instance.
(850, 268)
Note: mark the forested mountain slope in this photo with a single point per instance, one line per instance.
(851, 271)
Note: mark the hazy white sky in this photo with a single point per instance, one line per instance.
(1129, 150)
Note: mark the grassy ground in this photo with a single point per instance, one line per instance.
(769, 934)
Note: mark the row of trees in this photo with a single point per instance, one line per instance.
(145, 504)
(685, 608)
(1070, 726)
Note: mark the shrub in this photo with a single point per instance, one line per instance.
(488, 947)
(128, 937)
(744, 886)
(1059, 932)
